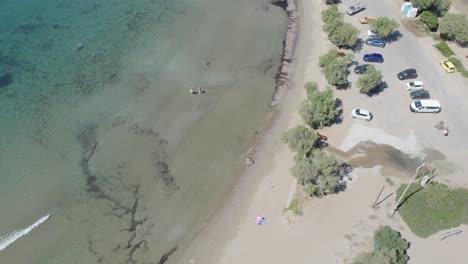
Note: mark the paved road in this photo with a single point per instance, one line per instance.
(391, 106)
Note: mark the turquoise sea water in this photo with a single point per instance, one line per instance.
(98, 128)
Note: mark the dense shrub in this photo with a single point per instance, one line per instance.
(433, 208)
(431, 20)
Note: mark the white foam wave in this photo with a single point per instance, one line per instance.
(12, 237)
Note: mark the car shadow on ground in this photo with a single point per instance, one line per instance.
(357, 47)
(380, 88)
(395, 36)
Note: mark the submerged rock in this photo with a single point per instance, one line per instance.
(5, 79)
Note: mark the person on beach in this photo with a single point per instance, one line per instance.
(446, 131)
(201, 91)
(260, 220)
(192, 91)
(249, 161)
(206, 62)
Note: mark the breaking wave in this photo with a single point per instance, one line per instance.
(9, 239)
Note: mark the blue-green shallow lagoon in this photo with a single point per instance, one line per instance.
(98, 128)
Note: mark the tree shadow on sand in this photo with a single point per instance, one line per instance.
(395, 36)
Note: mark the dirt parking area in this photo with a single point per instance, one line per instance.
(415, 134)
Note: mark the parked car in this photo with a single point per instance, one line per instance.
(447, 66)
(420, 94)
(354, 9)
(371, 34)
(361, 114)
(365, 20)
(373, 57)
(414, 85)
(407, 74)
(425, 106)
(360, 69)
(376, 42)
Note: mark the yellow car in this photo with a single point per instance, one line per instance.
(365, 20)
(447, 66)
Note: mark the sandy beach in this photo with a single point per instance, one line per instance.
(336, 228)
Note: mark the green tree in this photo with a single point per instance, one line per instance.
(330, 14)
(389, 248)
(300, 139)
(370, 80)
(336, 72)
(383, 26)
(386, 237)
(333, 25)
(319, 109)
(431, 20)
(454, 27)
(440, 7)
(344, 36)
(328, 57)
(319, 173)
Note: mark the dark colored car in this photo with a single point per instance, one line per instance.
(373, 57)
(360, 69)
(407, 74)
(420, 94)
(376, 42)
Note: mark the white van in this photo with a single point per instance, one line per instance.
(425, 106)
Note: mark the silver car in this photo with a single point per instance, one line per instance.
(354, 9)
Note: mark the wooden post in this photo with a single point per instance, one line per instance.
(378, 196)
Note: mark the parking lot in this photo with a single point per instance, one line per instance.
(390, 107)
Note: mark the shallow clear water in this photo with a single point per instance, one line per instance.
(99, 129)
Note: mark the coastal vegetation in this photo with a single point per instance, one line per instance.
(295, 207)
(389, 248)
(454, 27)
(439, 7)
(335, 67)
(370, 80)
(430, 20)
(320, 107)
(433, 208)
(383, 27)
(317, 171)
(341, 34)
(459, 65)
(301, 139)
(444, 49)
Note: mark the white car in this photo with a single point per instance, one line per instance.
(414, 85)
(361, 114)
(371, 34)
